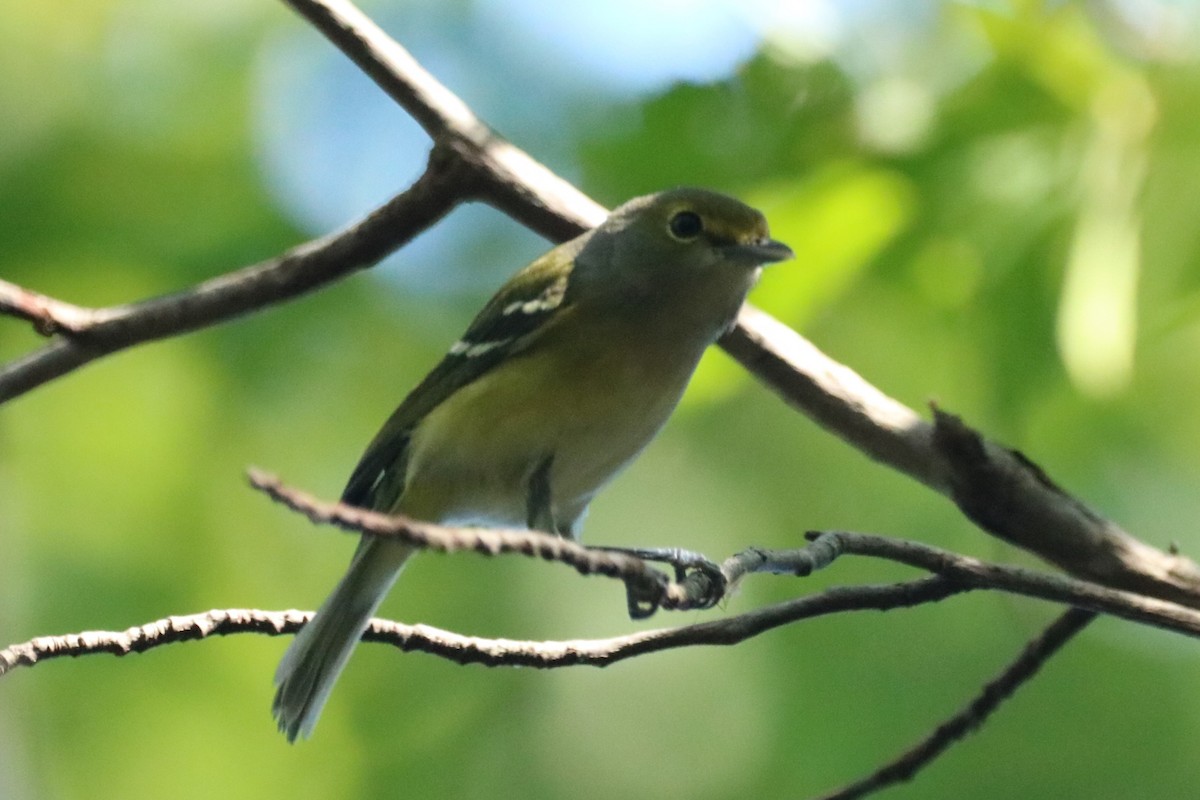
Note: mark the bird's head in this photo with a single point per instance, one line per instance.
(678, 238)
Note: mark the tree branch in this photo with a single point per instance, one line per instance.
(1007, 494)
(999, 489)
(474, 650)
(1019, 672)
(955, 574)
(696, 589)
(49, 316)
(510, 179)
(647, 587)
(977, 574)
(98, 332)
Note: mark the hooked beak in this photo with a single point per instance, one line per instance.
(760, 251)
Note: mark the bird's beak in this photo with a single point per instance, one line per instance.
(760, 251)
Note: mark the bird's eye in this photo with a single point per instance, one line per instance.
(685, 226)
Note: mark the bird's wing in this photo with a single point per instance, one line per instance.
(508, 322)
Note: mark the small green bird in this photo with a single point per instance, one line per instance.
(558, 383)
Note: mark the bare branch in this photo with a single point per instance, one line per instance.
(489, 652)
(1019, 672)
(49, 316)
(999, 489)
(98, 332)
(152, 634)
(956, 574)
(836, 397)
(468, 161)
(1006, 494)
(508, 178)
(826, 546)
(646, 585)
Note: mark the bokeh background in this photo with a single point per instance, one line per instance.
(993, 205)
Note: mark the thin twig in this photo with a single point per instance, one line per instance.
(489, 652)
(1036, 653)
(153, 634)
(824, 549)
(48, 315)
(1016, 580)
(644, 582)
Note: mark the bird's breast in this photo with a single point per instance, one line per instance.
(587, 396)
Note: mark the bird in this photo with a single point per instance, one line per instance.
(558, 383)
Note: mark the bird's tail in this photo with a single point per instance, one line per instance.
(320, 651)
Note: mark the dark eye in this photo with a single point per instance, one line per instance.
(686, 225)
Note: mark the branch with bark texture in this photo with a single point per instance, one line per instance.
(1031, 660)
(1000, 489)
(83, 335)
(696, 589)
(490, 652)
(953, 574)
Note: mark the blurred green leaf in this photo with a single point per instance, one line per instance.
(951, 179)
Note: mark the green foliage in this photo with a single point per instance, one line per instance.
(1013, 237)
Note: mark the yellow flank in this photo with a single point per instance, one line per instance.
(471, 458)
